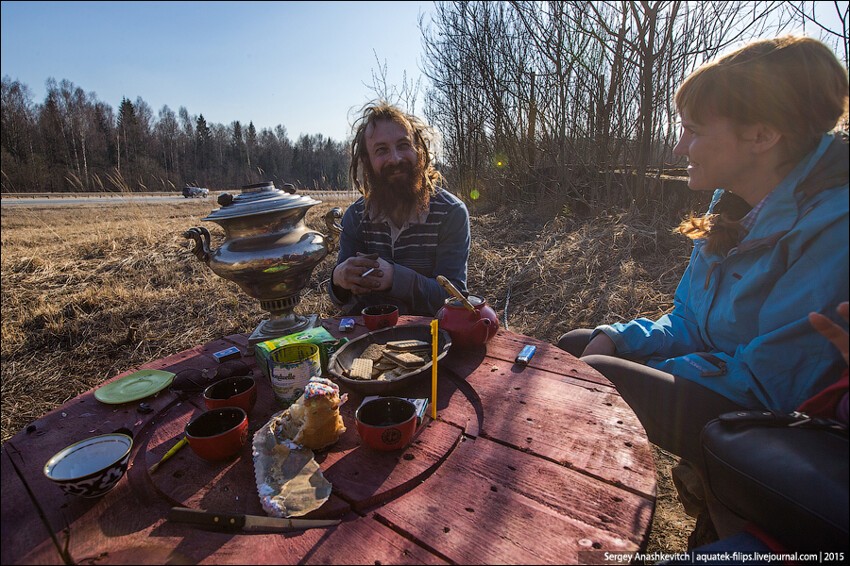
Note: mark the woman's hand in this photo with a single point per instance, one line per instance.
(831, 331)
(600, 345)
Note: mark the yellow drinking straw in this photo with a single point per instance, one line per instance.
(434, 341)
(169, 454)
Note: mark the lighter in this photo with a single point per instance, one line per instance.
(346, 325)
(525, 354)
(231, 353)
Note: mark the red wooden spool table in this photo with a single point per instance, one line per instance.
(533, 464)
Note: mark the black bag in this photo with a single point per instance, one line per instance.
(787, 474)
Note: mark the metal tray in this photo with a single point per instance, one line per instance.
(342, 358)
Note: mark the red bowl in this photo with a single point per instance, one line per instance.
(218, 434)
(232, 392)
(386, 423)
(377, 317)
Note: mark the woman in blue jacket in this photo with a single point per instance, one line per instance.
(757, 128)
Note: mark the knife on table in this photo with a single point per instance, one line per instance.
(234, 522)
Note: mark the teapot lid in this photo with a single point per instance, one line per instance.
(260, 198)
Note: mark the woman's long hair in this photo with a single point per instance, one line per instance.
(793, 84)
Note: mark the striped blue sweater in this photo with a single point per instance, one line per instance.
(439, 246)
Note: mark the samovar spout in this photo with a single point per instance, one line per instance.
(201, 237)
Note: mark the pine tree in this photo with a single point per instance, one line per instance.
(203, 143)
(127, 136)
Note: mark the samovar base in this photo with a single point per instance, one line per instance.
(281, 326)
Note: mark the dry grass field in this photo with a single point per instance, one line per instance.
(90, 291)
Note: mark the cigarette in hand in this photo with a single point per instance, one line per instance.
(368, 272)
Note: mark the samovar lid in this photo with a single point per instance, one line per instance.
(259, 198)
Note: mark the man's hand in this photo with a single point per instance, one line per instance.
(350, 273)
(384, 274)
(831, 331)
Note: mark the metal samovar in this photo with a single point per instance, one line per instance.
(268, 251)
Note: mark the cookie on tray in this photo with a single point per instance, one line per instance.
(384, 364)
(361, 368)
(404, 359)
(408, 345)
(373, 352)
(393, 374)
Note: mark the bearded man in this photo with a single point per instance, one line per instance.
(405, 229)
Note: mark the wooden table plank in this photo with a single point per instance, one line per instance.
(503, 348)
(367, 541)
(357, 540)
(492, 504)
(577, 424)
(21, 526)
(506, 345)
(367, 477)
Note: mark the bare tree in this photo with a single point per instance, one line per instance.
(167, 132)
(404, 95)
(17, 132)
(576, 98)
(814, 15)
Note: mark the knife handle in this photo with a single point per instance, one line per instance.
(221, 521)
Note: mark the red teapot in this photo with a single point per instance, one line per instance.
(469, 320)
(468, 328)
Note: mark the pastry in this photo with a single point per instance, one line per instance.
(289, 481)
(313, 421)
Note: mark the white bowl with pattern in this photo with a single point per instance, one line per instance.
(91, 467)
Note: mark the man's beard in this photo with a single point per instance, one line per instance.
(397, 196)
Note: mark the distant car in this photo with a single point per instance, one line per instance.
(193, 192)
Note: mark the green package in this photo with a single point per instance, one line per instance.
(319, 336)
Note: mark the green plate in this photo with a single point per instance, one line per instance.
(135, 386)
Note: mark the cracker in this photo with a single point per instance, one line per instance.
(392, 374)
(361, 368)
(384, 365)
(373, 352)
(404, 359)
(408, 345)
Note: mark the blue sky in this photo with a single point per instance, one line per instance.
(303, 65)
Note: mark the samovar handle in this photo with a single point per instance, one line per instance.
(201, 236)
(332, 219)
